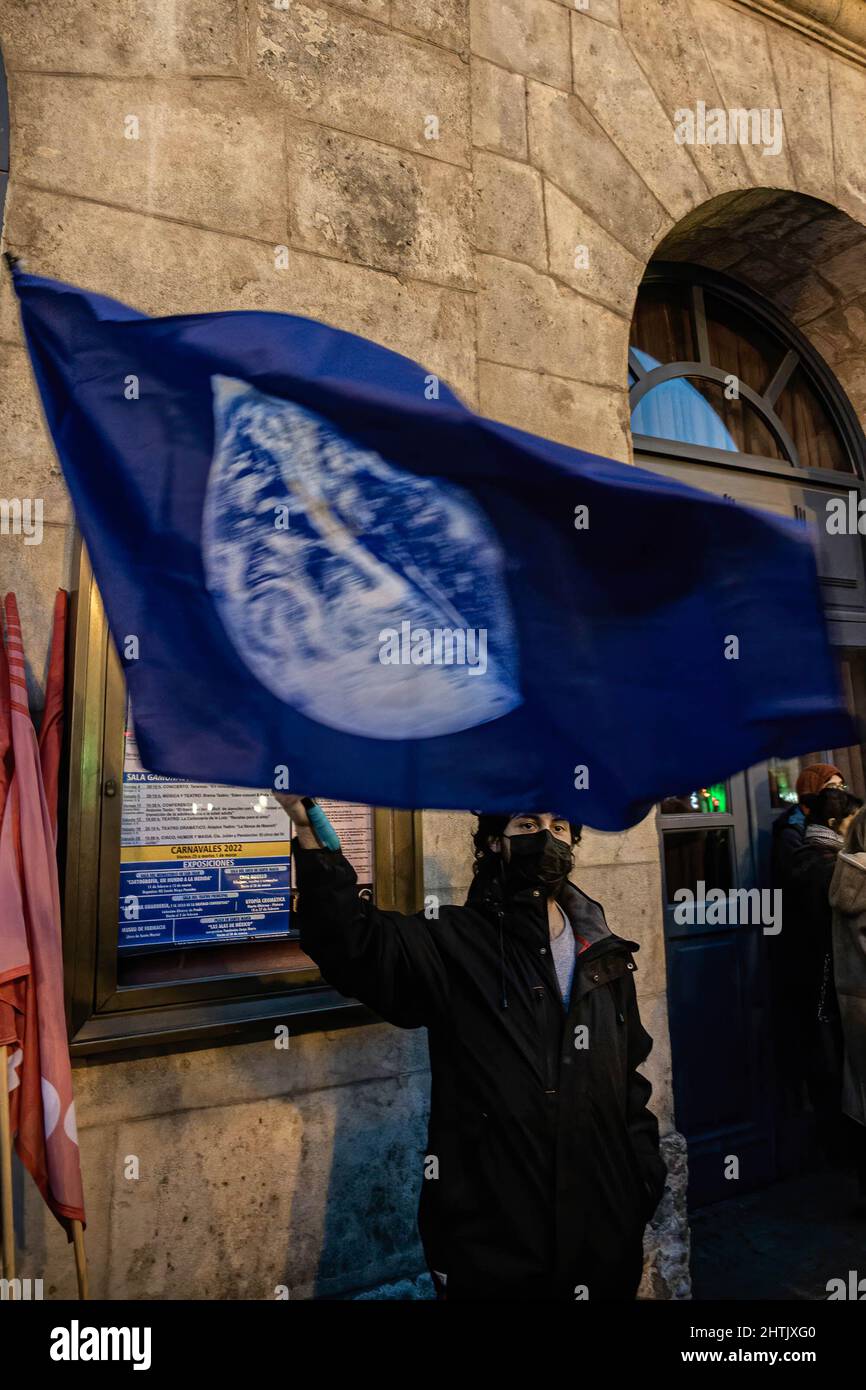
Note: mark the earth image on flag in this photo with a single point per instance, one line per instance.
(328, 565)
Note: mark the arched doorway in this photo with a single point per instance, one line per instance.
(727, 394)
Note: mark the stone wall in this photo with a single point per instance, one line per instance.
(284, 160)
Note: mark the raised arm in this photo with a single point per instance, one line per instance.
(388, 961)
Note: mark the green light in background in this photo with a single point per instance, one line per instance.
(713, 799)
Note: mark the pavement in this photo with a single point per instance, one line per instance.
(784, 1242)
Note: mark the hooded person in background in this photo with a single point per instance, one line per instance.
(848, 900)
(807, 917)
(542, 1165)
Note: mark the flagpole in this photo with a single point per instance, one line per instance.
(80, 1259)
(6, 1223)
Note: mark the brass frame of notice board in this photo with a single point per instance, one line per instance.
(103, 1017)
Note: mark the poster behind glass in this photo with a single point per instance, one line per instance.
(204, 864)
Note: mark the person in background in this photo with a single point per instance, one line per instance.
(542, 1165)
(784, 961)
(807, 918)
(790, 827)
(848, 901)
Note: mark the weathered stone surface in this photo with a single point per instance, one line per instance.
(442, 21)
(823, 235)
(527, 320)
(210, 1153)
(43, 1251)
(34, 573)
(631, 896)
(848, 97)
(528, 36)
(28, 463)
(804, 95)
(570, 147)
(667, 42)
(612, 86)
(372, 9)
(448, 852)
(379, 206)
(803, 300)
(836, 333)
(846, 17)
(724, 255)
(740, 58)
(178, 1082)
(164, 268)
(509, 210)
(356, 76)
(605, 11)
(657, 1068)
(205, 153)
(666, 1242)
(404, 1291)
(640, 845)
(200, 37)
(852, 374)
(587, 257)
(342, 1213)
(586, 417)
(498, 109)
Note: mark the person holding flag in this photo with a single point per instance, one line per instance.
(543, 1164)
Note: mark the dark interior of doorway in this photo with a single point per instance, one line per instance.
(799, 1217)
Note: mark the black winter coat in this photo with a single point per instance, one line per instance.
(547, 1156)
(808, 918)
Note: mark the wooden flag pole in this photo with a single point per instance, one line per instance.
(7, 1227)
(6, 1223)
(80, 1259)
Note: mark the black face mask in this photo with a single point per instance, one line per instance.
(538, 860)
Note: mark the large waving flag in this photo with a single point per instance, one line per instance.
(32, 1015)
(319, 565)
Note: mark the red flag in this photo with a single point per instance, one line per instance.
(31, 964)
(51, 729)
(13, 950)
(5, 726)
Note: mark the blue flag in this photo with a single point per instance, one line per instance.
(325, 573)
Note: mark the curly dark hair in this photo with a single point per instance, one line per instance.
(833, 803)
(489, 827)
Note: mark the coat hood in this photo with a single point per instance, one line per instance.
(848, 887)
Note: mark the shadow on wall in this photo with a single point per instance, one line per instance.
(368, 1233)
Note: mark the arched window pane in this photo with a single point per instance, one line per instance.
(694, 411)
(740, 346)
(662, 324)
(671, 318)
(811, 428)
